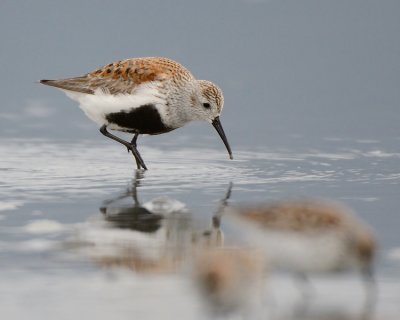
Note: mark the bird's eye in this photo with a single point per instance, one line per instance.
(206, 105)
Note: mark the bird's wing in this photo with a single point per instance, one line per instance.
(122, 77)
(296, 215)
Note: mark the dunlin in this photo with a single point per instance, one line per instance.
(308, 236)
(144, 96)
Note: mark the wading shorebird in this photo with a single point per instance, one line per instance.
(308, 236)
(151, 95)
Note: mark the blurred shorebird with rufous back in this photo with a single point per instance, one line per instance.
(151, 95)
(308, 236)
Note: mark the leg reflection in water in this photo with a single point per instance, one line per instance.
(131, 216)
(159, 235)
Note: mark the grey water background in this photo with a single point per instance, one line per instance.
(311, 110)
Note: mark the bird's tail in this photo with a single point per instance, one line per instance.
(77, 84)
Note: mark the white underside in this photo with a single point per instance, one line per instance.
(304, 252)
(322, 252)
(96, 106)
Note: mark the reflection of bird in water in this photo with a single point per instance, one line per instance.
(308, 237)
(142, 231)
(134, 217)
(213, 235)
(156, 236)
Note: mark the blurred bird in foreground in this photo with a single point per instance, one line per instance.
(307, 237)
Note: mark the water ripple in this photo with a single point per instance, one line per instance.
(40, 169)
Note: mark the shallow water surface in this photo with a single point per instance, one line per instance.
(83, 234)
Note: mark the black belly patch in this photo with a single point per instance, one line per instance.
(145, 120)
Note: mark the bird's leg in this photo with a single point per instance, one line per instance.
(134, 139)
(371, 292)
(136, 154)
(306, 291)
(133, 143)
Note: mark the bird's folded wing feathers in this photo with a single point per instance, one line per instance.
(122, 77)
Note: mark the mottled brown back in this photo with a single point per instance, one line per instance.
(295, 215)
(123, 76)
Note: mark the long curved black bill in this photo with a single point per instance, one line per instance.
(218, 126)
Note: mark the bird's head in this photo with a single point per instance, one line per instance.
(209, 107)
(211, 99)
